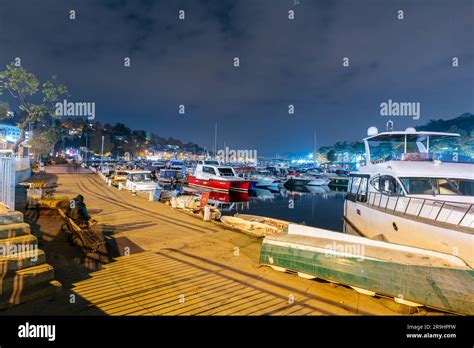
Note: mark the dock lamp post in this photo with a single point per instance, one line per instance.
(102, 152)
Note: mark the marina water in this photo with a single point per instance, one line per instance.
(323, 208)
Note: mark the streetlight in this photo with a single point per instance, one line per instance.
(102, 152)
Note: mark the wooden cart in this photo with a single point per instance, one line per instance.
(85, 237)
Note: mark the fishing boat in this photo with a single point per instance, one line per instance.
(217, 178)
(411, 276)
(411, 197)
(168, 175)
(175, 164)
(140, 180)
(119, 176)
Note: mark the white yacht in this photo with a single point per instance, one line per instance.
(412, 197)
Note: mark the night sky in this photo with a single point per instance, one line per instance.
(282, 62)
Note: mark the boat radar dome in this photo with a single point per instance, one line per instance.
(410, 130)
(372, 131)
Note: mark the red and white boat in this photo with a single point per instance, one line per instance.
(213, 176)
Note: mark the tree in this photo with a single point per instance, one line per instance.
(24, 86)
(4, 109)
(331, 155)
(43, 141)
(121, 130)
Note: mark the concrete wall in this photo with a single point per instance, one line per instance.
(22, 175)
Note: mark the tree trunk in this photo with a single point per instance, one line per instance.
(19, 141)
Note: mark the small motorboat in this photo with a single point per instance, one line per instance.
(217, 178)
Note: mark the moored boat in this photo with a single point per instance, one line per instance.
(411, 197)
(140, 180)
(412, 276)
(218, 178)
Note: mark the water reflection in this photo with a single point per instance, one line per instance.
(318, 206)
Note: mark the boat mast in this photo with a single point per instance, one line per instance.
(405, 145)
(215, 141)
(315, 145)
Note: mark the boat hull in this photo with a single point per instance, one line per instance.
(444, 288)
(405, 230)
(220, 185)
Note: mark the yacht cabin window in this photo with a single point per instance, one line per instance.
(438, 186)
(388, 185)
(208, 170)
(226, 171)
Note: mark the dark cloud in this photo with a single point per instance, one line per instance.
(282, 62)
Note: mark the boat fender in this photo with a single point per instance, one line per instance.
(207, 213)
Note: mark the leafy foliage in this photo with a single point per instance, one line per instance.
(24, 86)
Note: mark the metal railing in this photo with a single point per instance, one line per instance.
(7, 182)
(455, 213)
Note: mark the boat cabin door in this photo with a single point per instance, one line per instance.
(357, 189)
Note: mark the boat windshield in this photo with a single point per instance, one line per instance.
(438, 186)
(140, 177)
(418, 148)
(226, 172)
